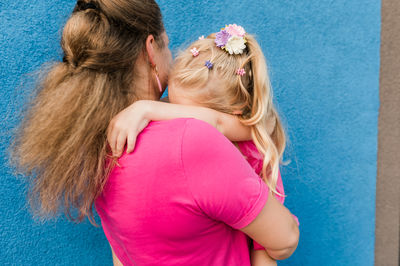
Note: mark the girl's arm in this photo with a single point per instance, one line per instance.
(125, 126)
(228, 125)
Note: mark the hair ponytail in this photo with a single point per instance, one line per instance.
(262, 110)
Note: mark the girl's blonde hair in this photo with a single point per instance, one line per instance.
(61, 143)
(222, 89)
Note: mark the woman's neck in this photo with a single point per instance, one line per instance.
(145, 89)
(145, 84)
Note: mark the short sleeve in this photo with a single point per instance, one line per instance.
(222, 183)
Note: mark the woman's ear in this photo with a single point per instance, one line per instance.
(150, 42)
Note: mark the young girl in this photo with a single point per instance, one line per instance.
(223, 80)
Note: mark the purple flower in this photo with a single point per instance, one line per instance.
(208, 64)
(221, 38)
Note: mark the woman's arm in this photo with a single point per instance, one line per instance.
(275, 229)
(125, 126)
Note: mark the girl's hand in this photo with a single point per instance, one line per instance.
(126, 126)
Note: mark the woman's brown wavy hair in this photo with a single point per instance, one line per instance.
(61, 143)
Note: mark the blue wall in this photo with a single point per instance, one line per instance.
(324, 64)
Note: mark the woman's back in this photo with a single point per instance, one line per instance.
(179, 198)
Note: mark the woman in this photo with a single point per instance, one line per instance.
(116, 52)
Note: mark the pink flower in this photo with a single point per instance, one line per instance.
(194, 51)
(235, 30)
(241, 72)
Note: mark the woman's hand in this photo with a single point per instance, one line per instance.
(261, 258)
(126, 126)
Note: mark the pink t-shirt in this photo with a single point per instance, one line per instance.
(180, 197)
(255, 159)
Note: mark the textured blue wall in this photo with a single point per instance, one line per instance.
(324, 63)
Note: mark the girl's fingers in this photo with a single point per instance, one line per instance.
(131, 143)
(112, 138)
(133, 135)
(121, 139)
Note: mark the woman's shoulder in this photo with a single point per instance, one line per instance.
(159, 140)
(200, 131)
(202, 139)
(166, 131)
(172, 123)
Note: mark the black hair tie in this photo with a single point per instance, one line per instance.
(82, 6)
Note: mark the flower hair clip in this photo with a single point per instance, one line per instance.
(240, 72)
(194, 51)
(231, 39)
(209, 65)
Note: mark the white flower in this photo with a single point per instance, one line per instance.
(235, 45)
